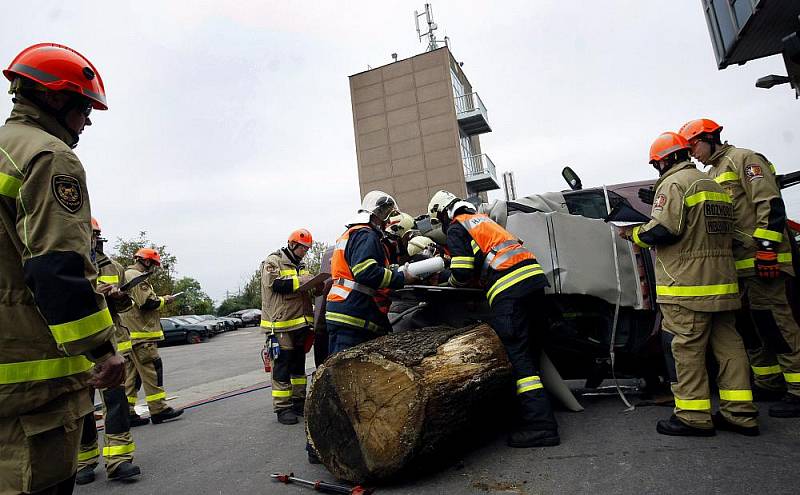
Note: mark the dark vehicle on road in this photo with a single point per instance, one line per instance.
(176, 330)
(211, 327)
(224, 324)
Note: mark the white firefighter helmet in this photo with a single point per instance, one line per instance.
(440, 201)
(380, 204)
(400, 224)
(419, 244)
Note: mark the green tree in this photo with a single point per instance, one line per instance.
(248, 297)
(193, 301)
(314, 257)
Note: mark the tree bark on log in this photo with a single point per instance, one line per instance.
(388, 406)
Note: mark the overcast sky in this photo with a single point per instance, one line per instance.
(230, 123)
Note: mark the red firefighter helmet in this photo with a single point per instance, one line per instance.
(666, 144)
(301, 236)
(698, 127)
(148, 254)
(59, 68)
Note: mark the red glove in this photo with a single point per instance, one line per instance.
(767, 264)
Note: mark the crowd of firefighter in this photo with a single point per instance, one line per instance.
(72, 320)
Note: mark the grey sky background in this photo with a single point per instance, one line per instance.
(230, 123)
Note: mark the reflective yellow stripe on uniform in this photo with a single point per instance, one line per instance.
(80, 329)
(697, 290)
(637, 240)
(147, 335)
(278, 325)
(119, 450)
(43, 369)
(769, 235)
(132, 400)
(766, 370)
(693, 405)
(162, 303)
(475, 247)
(126, 345)
(108, 279)
(281, 393)
(746, 263)
(155, 397)
(736, 395)
(9, 186)
(299, 381)
(462, 262)
(726, 177)
(360, 267)
(387, 278)
(513, 278)
(702, 196)
(89, 454)
(351, 320)
(528, 383)
(791, 377)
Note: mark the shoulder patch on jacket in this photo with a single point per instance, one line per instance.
(68, 193)
(660, 202)
(753, 172)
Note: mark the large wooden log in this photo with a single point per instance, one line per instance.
(388, 406)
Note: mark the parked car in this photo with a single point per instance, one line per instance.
(235, 322)
(212, 327)
(251, 317)
(176, 330)
(225, 324)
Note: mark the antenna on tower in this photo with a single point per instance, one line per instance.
(433, 43)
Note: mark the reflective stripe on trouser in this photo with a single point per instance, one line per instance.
(692, 333)
(512, 322)
(117, 438)
(777, 341)
(288, 370)
(145, 368)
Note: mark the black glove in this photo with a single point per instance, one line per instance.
(647, 195)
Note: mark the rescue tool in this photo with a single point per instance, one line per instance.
(321, 486)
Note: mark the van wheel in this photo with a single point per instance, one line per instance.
(193, 338)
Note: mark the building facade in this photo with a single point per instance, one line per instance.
(417, 123)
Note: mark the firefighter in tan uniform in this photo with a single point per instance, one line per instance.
(118, 442)
(287, 318)
(697, 293)
(763, 261)
(145, 367)
(54, 327)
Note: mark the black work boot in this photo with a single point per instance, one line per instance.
(137, 420)
(677, 428)
(788, 407)
(525, 438)
(765, 395)
(287, 417)
(165, 415)
(721, 423)
(85, 476)
(124, 471)
(298, 407)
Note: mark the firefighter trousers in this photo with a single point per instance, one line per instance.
(517, 320)
(692, 333)
(118, 441)
(289, 371)
(145, 368)
(39, 453)
(342, 337)
(771, 334)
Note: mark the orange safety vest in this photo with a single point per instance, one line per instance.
(343, 280)
(502, 249)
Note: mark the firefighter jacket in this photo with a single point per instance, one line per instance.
(142, 320)
(749, 178)
(283, 307)
(482, 249)
(692, 230)
(51, 318)
(362, 279)
(112, 273)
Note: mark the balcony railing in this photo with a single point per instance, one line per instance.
(480, 173)
(471, 114)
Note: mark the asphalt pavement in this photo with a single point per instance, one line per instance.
(231, 445)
